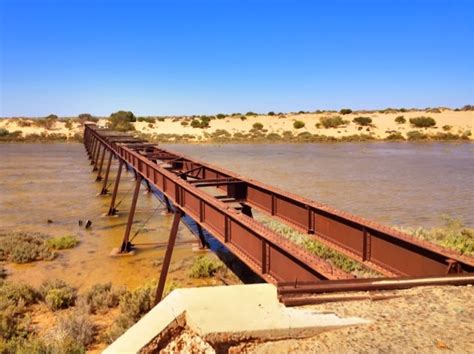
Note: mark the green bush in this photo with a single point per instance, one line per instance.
(62, 242)
(447, 128)
(422, 122)
(271, 113)
(362, 121)
(4, 132)
(57, 294)
(297, 124)
(251, 113)
(395, 136)
(345, 111)
(146, 119)
(69, 124)
(400, 120)
(18, 293)
(204, 267)
(20, 247)
(257, 126)
(416, 135)
(242, 118)
(121, 121)
(332, 122)
(220, 116)
(160, 119)
(47, 123)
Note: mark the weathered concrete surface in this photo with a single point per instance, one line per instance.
(238, 312)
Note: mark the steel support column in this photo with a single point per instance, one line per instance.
(106, 178)
(96, 158)
(126, 246)
(99, 174)
(169, 252)
(112, 210)
(93, 150)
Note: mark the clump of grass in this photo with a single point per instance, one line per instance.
(62, 242)
(102, 297)
(363, 121)
(150, 120)
(453, 234)
(447, 128)
(57, 294)
(257, 126)
(422, 122)
(400, 120)
(18, 292)
(205, 267)
(20, 247)
(332, 122)
(298, 124)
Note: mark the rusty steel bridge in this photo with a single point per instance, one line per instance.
(221, 203)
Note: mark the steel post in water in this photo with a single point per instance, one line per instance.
(126, 247)
(169, 252)
(112, 210)
(106, 178)
(96, 158)
(99, 174)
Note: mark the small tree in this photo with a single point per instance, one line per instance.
(257, 126)
(364, 121)
(250, 113)
(220, 116)
(345, 111)
(297, 124)
(121, 121)
(271, 113)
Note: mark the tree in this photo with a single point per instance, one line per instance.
(122, 121)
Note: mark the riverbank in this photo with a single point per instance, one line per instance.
(325, 126)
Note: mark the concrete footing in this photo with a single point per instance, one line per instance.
(228, 314)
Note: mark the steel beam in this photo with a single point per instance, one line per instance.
(112, 210)
(126, 246)
(106, 178)
(169, 252)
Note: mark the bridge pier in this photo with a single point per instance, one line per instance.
(106, 178)
(96, 158)
(169, 252)
(112, 210)
(93, 150)
(126, 245)
(99, 174)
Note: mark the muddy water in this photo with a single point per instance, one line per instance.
(406, 184)
(54, 181)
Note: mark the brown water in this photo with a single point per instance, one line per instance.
(402, 183)
(54, 181)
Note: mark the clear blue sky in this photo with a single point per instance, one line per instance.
(201, 57)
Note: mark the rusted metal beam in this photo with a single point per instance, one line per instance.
(167, 259)
(112, 210)
(126, 246)
(107, 171)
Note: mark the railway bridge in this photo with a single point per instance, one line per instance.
(221, 203)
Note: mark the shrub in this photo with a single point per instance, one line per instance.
(416, 135)
(447, 127)
(297, 124)
(242, 118)
(62, 242)
(422, 122)
(273, 136)
(19, 247)
(18, 293)
(332, 122)
(395, 136)
(204, 267)
(345, 111)
(220, 116)
(184, 123)
(467, 107)
(271, 113)
(4, 132)
(48, 122)
(362, 121)
(257, 126)
(101, 297)
(121, 121)
(72, 333)
(160, 119)
(400, 120)
(146, 119)
(133, 305)
(250, 113)
(68, 124)
(57, 294)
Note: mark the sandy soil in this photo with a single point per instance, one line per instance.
(425, 319)
(383, 124)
